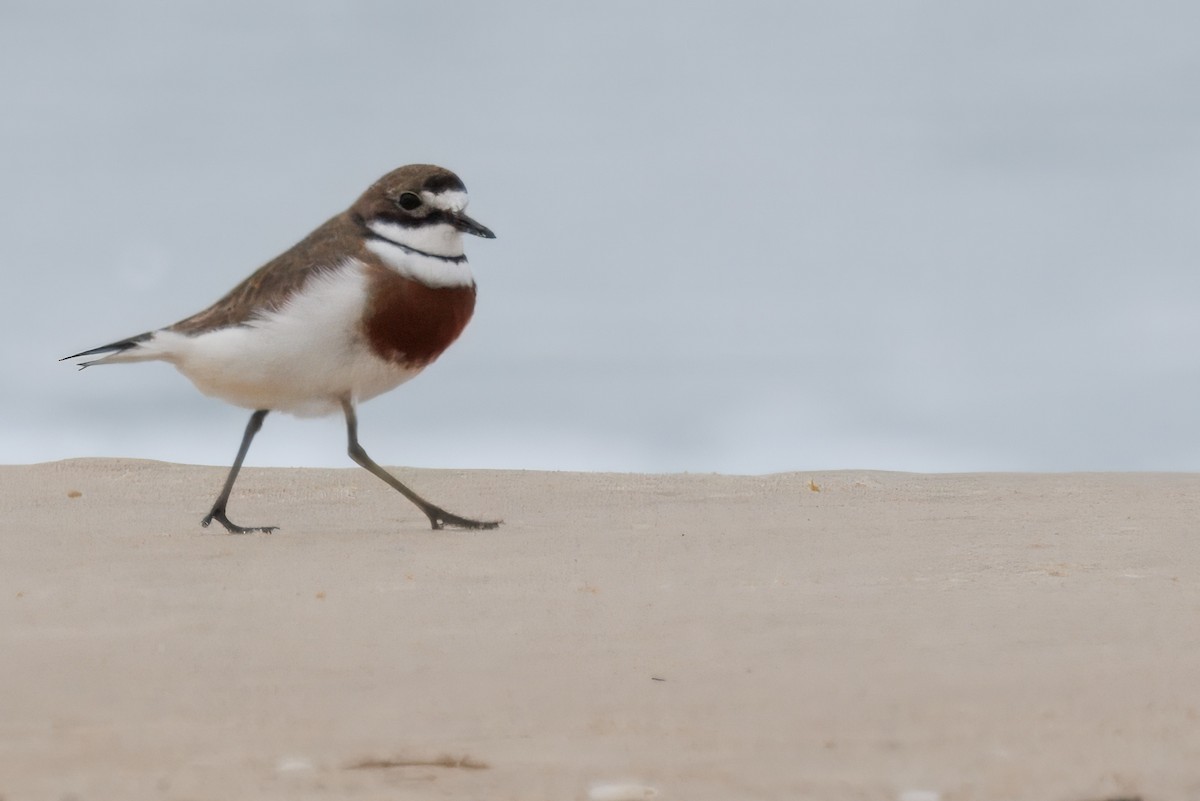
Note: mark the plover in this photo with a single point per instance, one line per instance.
(356, 308)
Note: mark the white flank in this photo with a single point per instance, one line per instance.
(301, 359)
(439, 240)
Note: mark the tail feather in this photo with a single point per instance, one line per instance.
(115, 349)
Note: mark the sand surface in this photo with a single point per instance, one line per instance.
(847, 635)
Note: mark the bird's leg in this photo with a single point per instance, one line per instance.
(438, 517)
(218, 509)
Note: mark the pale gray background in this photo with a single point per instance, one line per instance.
(739, 236)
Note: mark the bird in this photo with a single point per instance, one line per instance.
(361, 305)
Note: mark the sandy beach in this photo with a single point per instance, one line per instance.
(841, 635)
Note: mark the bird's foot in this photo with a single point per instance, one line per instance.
(439, 518)
(231, 527)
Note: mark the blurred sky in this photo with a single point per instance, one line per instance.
(733, 236)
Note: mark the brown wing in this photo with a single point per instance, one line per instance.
(271, 285)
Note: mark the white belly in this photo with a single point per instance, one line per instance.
(302, 359)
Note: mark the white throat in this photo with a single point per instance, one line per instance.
(442, 239)
(432, 254)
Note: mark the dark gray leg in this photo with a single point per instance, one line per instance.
(218, 510)
(438, 517)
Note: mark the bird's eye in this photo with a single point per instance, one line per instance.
(408, 201)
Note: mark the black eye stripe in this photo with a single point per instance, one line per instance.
(434, 217)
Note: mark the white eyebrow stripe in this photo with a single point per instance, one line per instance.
(452, 200)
